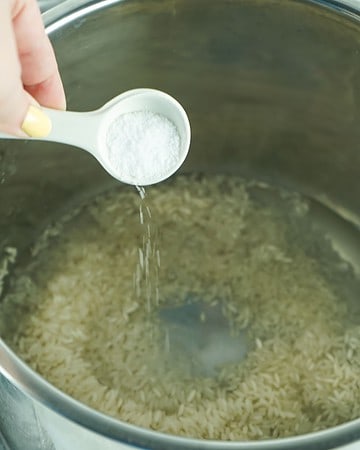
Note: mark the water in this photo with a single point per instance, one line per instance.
(322, 232)
(199, 332)
(246, 290)
(195, 329)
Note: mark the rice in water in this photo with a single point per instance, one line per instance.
(74, 314)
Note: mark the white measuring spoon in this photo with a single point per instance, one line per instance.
(88, 130)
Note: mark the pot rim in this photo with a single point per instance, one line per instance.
(37, 388)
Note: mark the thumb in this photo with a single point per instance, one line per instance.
(18, 111)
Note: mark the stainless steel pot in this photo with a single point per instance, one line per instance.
(272, 89)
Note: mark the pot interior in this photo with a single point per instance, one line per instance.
(272, 90)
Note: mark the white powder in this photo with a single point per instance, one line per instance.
(143, 147)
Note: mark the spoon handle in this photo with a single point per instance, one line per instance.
(68, 127)
(74, 128)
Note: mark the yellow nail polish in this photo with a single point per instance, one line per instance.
(36, 123)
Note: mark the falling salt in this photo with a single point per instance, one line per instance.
(143, 146)
(141, 191)
(146, 274)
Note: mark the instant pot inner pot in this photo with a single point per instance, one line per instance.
(272, 90)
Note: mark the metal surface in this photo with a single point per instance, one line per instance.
(47, 4)
(3, 444)
(285, 77)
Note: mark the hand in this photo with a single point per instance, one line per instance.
(29, 76)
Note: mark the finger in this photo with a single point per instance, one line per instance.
(40, 75)
(13, 100)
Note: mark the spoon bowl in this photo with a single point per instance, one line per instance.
(88, 130)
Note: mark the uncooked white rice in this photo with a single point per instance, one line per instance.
(75, 317)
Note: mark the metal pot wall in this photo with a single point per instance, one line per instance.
(272, 89)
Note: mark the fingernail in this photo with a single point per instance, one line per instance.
(36, 123)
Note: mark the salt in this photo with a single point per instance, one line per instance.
(143, 146)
